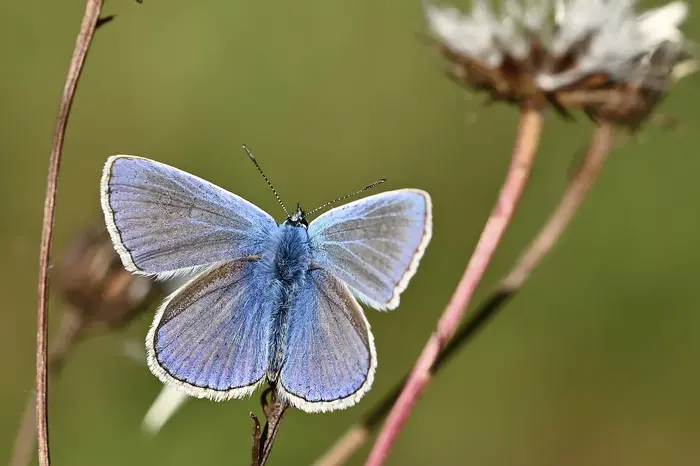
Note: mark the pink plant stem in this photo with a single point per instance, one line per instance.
(518, 173)
(345, 447)
(579, 186)
(550, 233)
(87, 30)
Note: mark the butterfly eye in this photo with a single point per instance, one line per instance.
(297, 218)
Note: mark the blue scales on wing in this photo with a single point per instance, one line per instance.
(329, 356)
(374, 244)
(163, 220)
(211, 338)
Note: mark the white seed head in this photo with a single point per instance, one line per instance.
(661, 24)
(471, 35)
(597, 36)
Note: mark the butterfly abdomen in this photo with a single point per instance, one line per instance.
(289, 261)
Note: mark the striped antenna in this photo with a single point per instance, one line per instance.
(274, 191)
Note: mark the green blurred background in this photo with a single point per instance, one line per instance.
(594, 363)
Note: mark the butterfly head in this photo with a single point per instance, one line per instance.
(298, 218)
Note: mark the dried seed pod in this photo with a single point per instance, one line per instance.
(91, 278)
(596, 55)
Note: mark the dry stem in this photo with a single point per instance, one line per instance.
(516, 179)
(87, 30)
(579, 186)
(274, 410)
(68, 333)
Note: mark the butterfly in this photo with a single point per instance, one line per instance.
(270, 302)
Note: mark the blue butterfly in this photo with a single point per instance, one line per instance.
(271, 301)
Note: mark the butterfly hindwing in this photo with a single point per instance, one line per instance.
(211, 337)
(374, 244)
(329, 357)
(163, 220)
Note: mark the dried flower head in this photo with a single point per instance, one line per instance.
(599, 55)
(91, 277)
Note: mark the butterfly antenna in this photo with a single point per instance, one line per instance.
(347, 196)
(274, 191)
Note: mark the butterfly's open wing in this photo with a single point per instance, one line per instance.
(374, 244)
(165, 221)
(210, 338)
(329, 359)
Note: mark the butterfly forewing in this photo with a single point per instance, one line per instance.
(163, 220)
(374, 244)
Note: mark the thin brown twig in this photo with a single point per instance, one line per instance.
(82, 44)
(271, 429)
(574, 195)
(68, 334)
(274, 410)
(257, 437)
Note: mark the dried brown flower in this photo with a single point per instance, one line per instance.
(91, 277)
